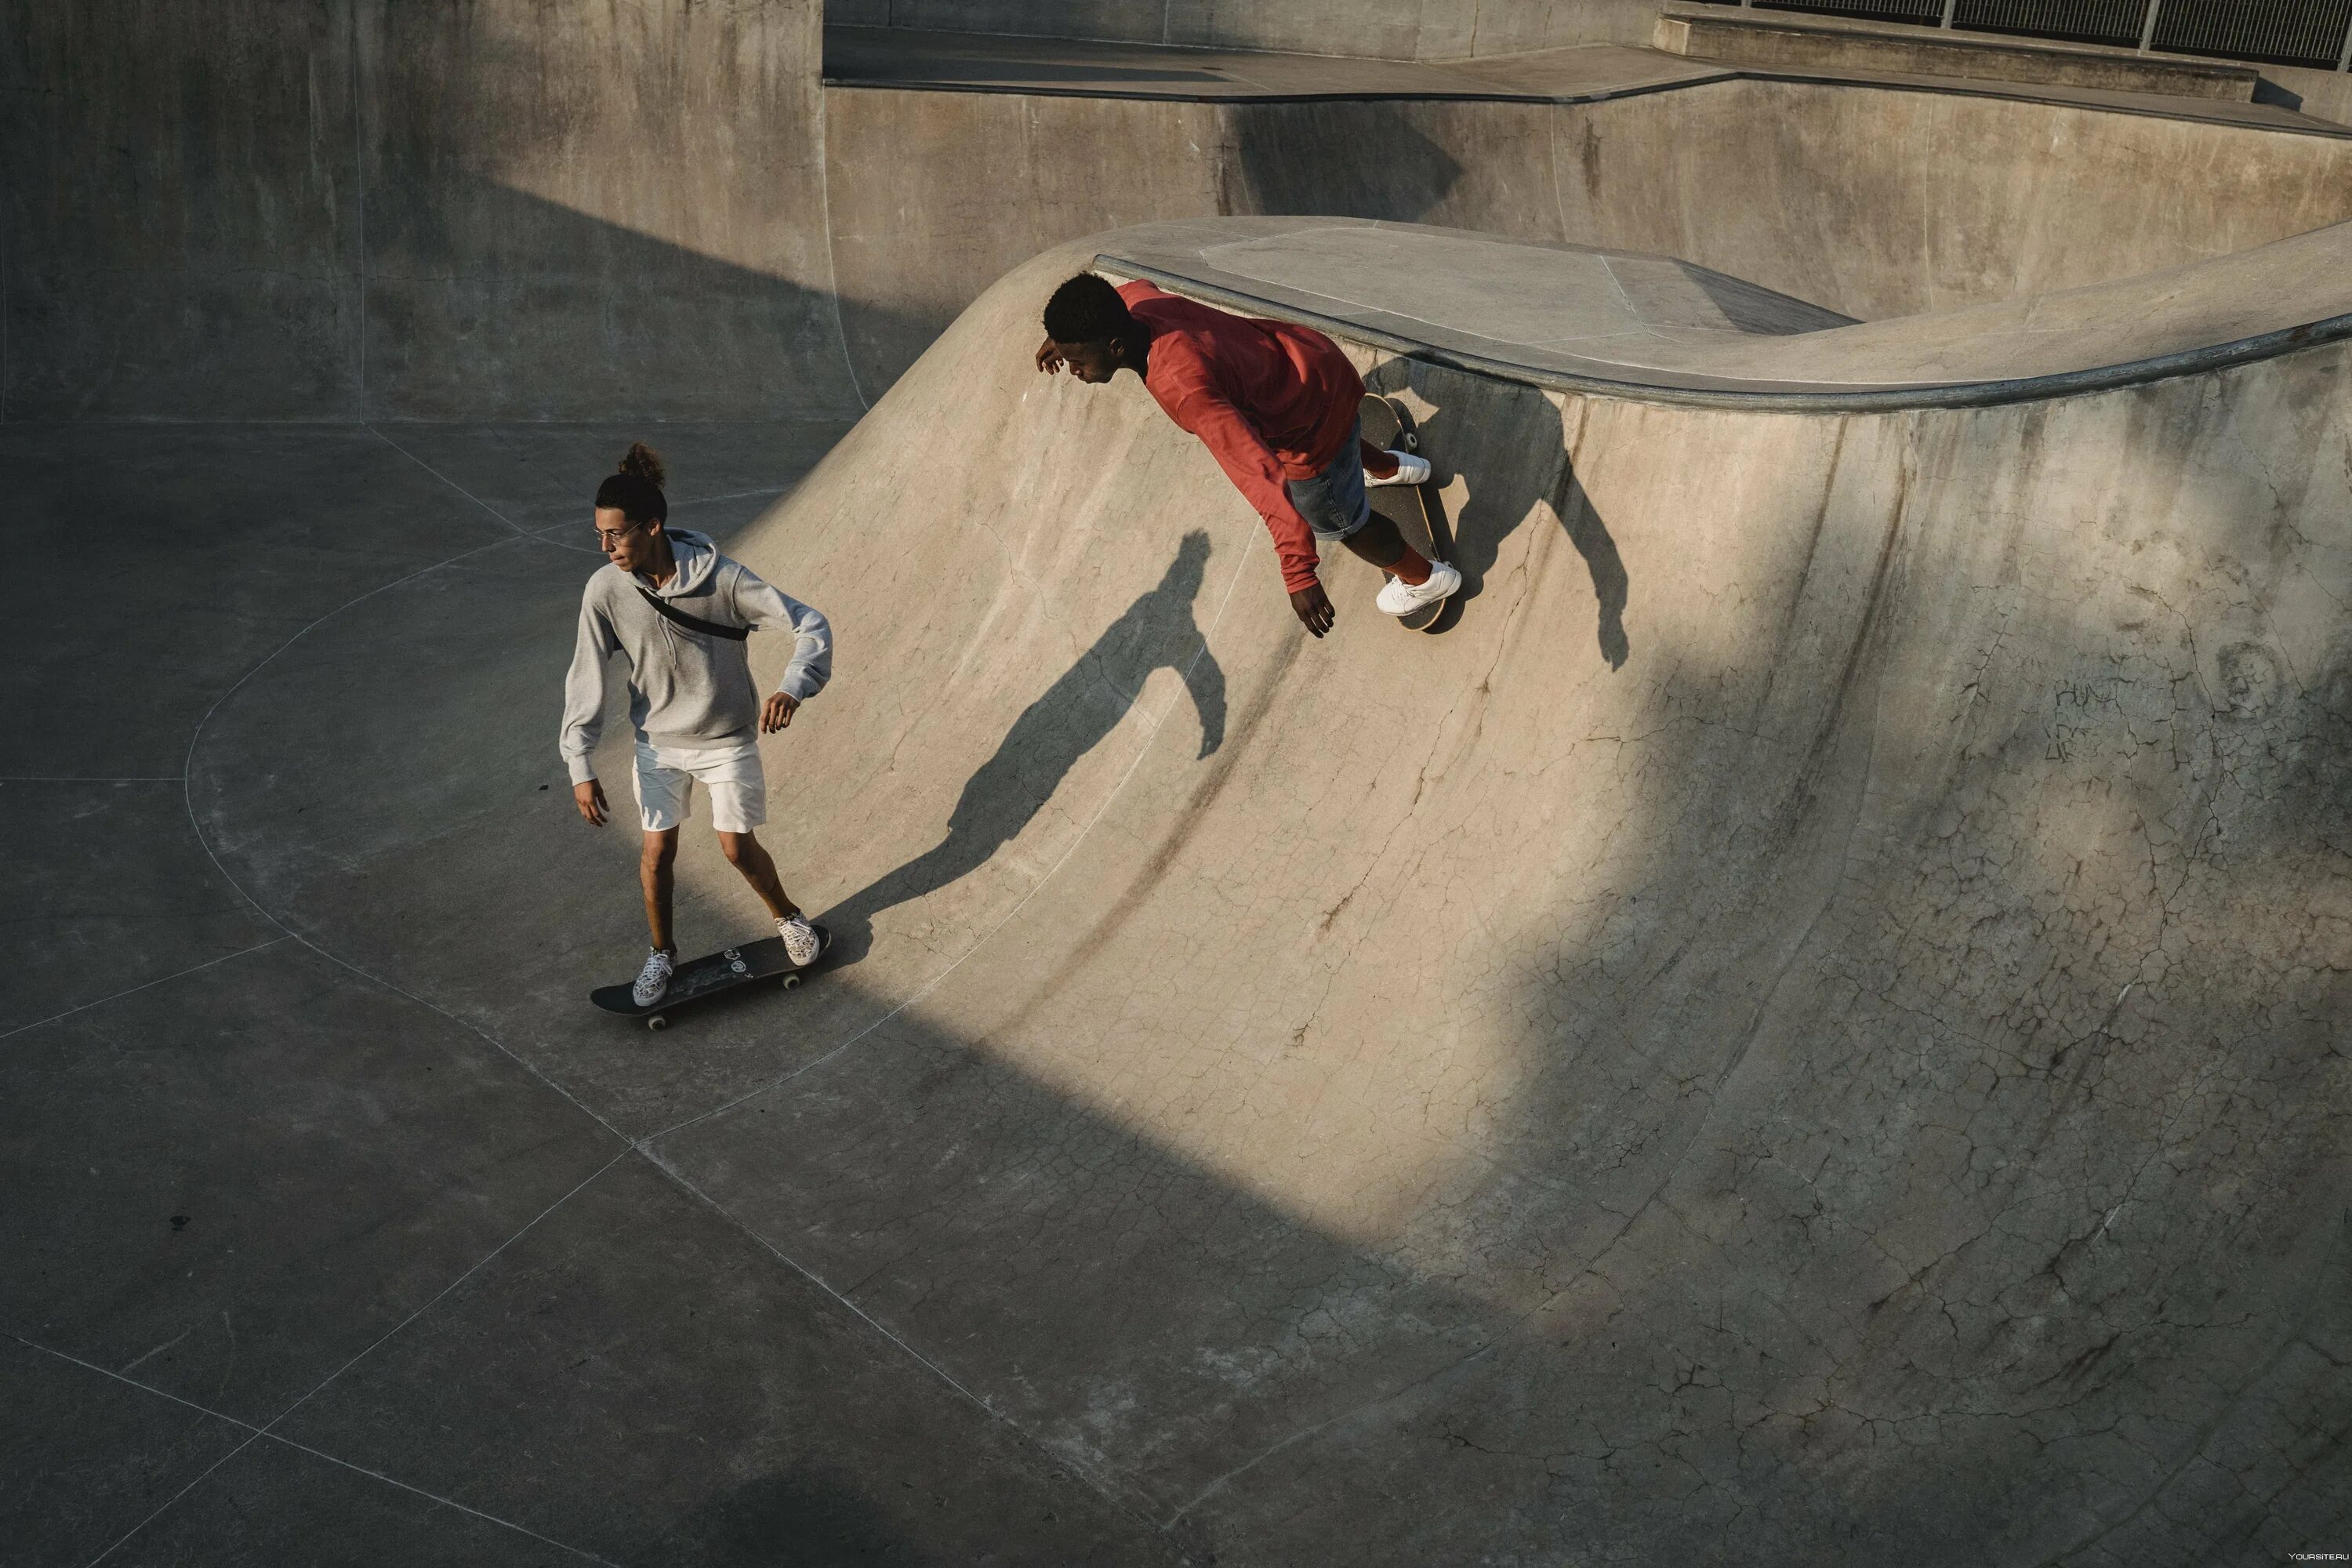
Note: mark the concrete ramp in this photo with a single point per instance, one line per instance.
(1806, 1026)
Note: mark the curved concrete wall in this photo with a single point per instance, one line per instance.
(1813, 1015)
(357, 210)
(1842, 938)
(1873, 203)
(350, 209)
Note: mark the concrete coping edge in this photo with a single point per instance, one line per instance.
(1795, 399)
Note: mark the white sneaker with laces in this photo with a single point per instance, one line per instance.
(653, 979)
(802, 944)
(1402, 598)
(1412, 470)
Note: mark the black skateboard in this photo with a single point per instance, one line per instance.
(698, 979)
(1386, 424)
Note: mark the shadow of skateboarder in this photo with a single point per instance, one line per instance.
(1070, 719)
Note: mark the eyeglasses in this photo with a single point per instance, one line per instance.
(606, 536)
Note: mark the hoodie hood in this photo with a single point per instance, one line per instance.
(698, 557)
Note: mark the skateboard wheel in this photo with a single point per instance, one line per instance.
(789, 981)
(657, 1022)
(1411, 441)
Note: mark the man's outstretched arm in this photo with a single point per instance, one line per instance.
(1250, 464)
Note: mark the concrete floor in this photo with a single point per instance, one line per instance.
(310, 1266)
(1806, 1026)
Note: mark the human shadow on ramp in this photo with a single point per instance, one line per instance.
(1049, 737)
(1513, 456)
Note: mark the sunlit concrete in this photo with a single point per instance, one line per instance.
(1804, 1026)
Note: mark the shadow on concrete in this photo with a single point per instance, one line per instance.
(807, 1518)
(1398, 174)
(1252, 1381)
(1160, 629)
(314, 215)
(1488, 456)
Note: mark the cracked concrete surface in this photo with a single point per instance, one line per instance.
(1807, 1025)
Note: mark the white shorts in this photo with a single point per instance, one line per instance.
(732, 775)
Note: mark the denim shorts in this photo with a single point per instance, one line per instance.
(1333, 501)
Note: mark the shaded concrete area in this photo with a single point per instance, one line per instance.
(1874, 198)
(354, 209)
(900, 57)
(246, 1164)
(1805, 1025)
(1374, 29)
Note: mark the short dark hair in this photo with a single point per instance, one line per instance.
(1087, 309)
(635, 491)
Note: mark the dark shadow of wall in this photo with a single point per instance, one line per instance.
(1381, 29)
(263, 211)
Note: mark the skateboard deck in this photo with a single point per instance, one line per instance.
(699, 979)
(1387, 425)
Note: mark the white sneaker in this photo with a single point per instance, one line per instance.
(1402, 598)
(802, 944)
(1412, 470)
(653, 979)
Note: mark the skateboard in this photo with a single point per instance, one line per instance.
(1387, 425)
(698, 979)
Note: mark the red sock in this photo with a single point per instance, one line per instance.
(1411, 567)
(1377, 461)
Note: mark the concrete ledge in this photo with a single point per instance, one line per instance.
(1656, 329)
(1745, 37)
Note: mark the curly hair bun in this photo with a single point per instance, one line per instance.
(644, 462)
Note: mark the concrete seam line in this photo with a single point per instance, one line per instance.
(483, 1262)
(150, 984)
(874, 1323)
(172, 1501)
(1151, 734)
(290, 1443)
(187, 794)
(444, 478)
(363, 1354)
(484, 1035)
(195, 737)
(832, 272)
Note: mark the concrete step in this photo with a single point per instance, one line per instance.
(1777, 39)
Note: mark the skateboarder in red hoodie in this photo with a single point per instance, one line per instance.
(1276, 403)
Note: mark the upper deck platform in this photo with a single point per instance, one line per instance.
(1584, 319)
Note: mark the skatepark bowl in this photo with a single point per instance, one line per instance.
(1805, 1024)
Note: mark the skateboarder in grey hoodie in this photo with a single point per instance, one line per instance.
(680, 611)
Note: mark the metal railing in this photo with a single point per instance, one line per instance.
(2315, 33)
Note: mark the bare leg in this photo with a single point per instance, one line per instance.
(747, 855)
(654, 872)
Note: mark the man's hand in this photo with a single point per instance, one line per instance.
(1049, 357)
(589, 797)
(778, 714)
(1314, 608)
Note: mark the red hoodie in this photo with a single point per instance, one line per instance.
(1272, 402)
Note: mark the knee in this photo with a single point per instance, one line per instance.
(741, 848)
(661, 848)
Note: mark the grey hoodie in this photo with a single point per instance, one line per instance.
(685, 688)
